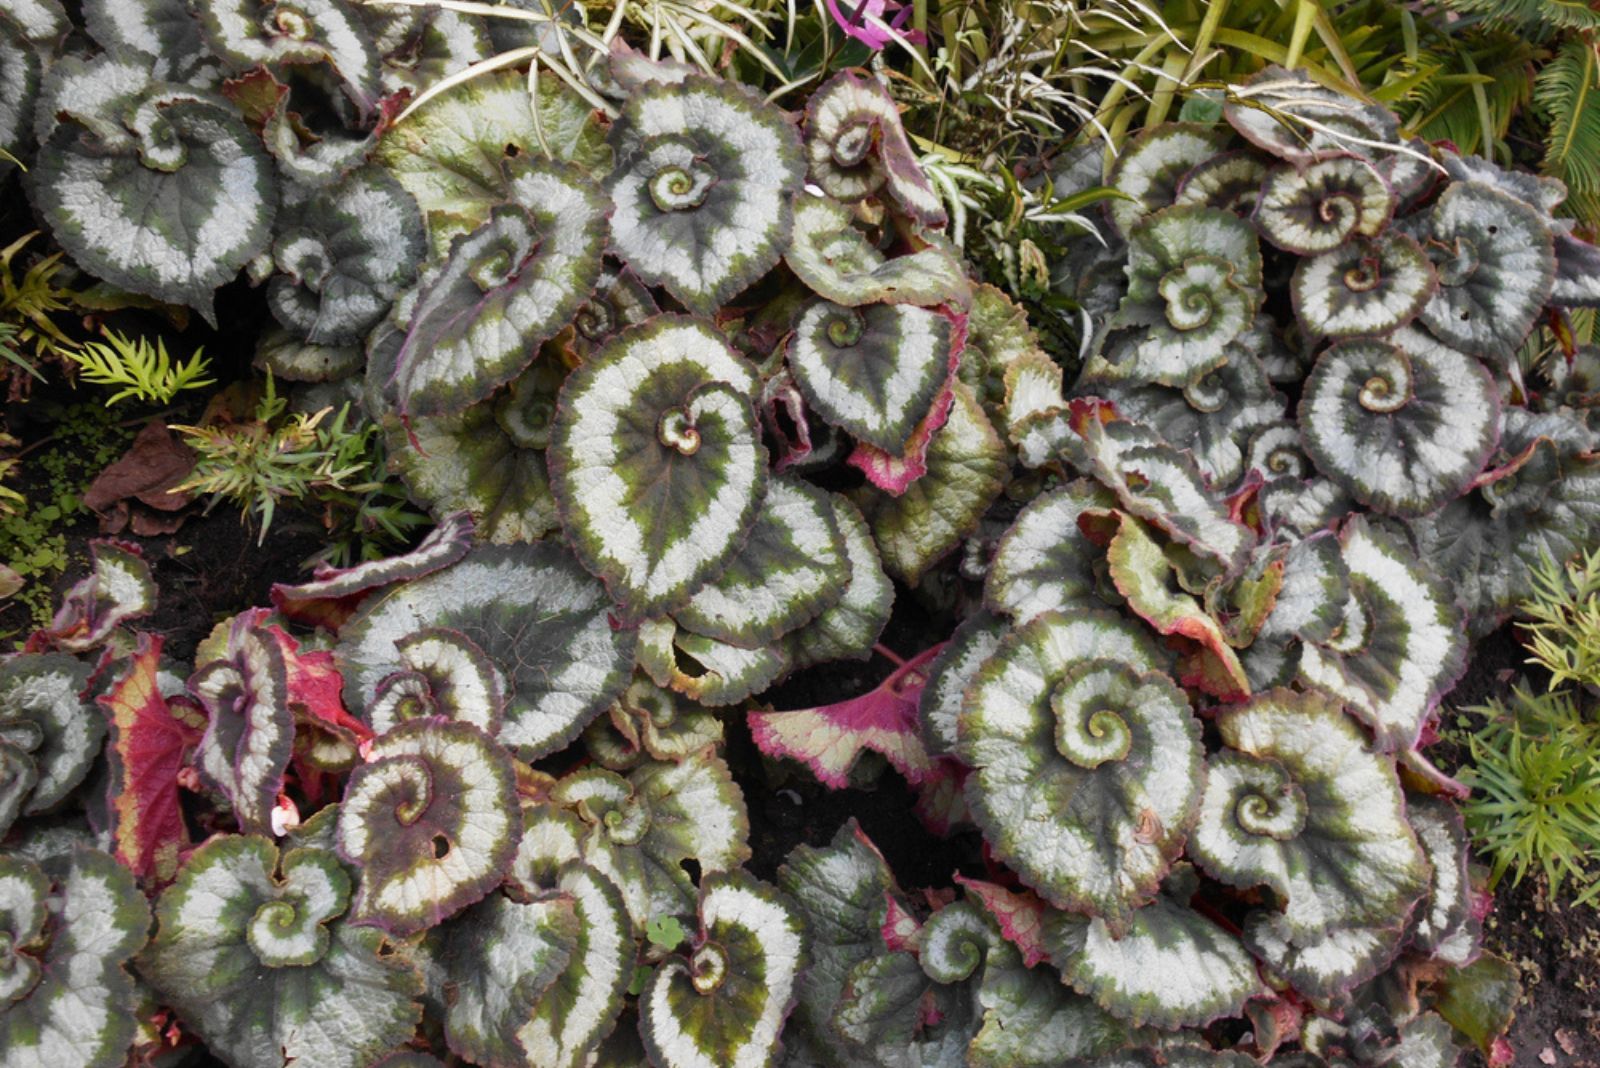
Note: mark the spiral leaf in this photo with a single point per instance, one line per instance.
(171, 209)
(1363, 288)
(249, 735)
(1447, 926)
(249, 33)
(348, 254)
(445, 674)
(705, 171)
(1496, 265)
(1151, 166)
(856, 148)
(1194, 285)
(1157, 483)
(847, 629)
(1230, 181)
(505, 288)
(1212, 417)
(333, 594)
(431, 820)
(791, 567)
(119, 588)
(65, 997)
(874, 371)
(1402, 643)
(1287, 115)
(48, 730)
(1305, 808)
(837, 261)
(488, 460)
(1403, 425)
(657, 463)
(559, 672)
(451, 154)
(1321, 207)
(723, 1004)
(1044, 561)
(1082, 755)
(253, 951)
(490, 967)
(706, 670)
(1132, 977)
(967, 470)
(639, 830)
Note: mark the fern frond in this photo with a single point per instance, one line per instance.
(1444, 105)
(1526, 14)
(1568, 91)
(143, 369)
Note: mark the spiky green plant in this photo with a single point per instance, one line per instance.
(140, 366)
(276, 456)
(1536, 782)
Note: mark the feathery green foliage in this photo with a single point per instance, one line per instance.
(141, 367)
(1536, 782)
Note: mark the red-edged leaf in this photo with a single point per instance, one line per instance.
(1020, 916)
(829, 738)
(149, 740)
(894, 474)
(119, 588)
(783, 410)
(1141, 570)
(900, 927)
(315, 685)
(334, 594)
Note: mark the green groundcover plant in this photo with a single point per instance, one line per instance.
(688, 392)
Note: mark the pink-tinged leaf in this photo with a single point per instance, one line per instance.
(149, 740)
(315, 685)
(1501, 1055)
(1020, 916)
(118, 588)
(333, 595)
(1144, 574)
(829, 738)
(895, 474)
(941, 804)
(900, 927)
